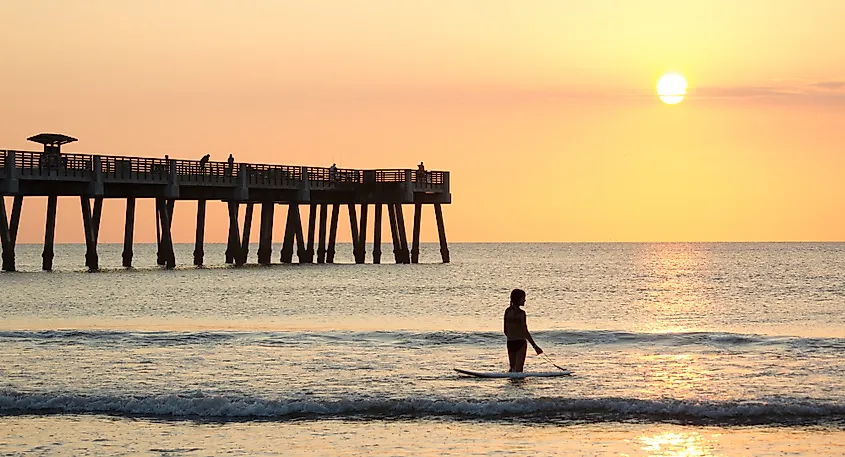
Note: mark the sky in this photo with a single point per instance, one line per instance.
(544, 112)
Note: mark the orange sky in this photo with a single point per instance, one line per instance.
(544, 111)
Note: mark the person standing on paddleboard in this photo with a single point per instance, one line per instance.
(516, 329)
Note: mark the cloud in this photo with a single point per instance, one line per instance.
(829, 85)
(740, 91)
(781, 90)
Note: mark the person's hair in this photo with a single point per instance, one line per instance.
(516, 294)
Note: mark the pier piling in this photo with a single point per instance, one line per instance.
(247, 229)
(353, 225)
(394, 233)
(234, 245)
(330, 251)
(362, 233)
(88, 225)
(403, 237)
(321, 248)
(415, 242)
(297, 227)
(49, 234)
(265, 238)
(128, 232)
(377, 234)
(441, 232)
(5, 237)
(199, 240)
(287, 241)
(10, 234)
(312, 222)
(168, 256)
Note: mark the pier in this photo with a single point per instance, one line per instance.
(92, 178)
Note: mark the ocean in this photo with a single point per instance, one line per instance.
(677, 349)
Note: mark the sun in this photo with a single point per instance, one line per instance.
(671, 88)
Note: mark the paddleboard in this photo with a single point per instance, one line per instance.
(524, 374)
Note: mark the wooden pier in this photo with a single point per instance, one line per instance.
(93, 178)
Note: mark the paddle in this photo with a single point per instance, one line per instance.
(544, 356)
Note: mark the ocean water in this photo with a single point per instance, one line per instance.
(677, 350)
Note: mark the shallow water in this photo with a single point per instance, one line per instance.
(720, 349)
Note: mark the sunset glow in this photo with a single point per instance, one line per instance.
(545, 113)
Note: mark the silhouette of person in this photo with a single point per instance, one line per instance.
(231, 162)
(333, 173)
(421, 173)
(204, 161)
(516, 330)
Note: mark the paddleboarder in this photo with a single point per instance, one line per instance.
(516, 329)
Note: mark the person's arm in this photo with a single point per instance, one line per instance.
(529, 338)
(505, 326)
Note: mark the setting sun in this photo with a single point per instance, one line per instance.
(671, 88)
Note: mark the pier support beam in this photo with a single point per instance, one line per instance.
(49, 234)
(129, 232)
(293, 232)
(333, 233)
(159, 258)
(312, 227)
(415, 242)
(234, 243)
(9, 231)
(165, 214)
(321, 244)
(353, 225)
(5, 238)
(290, 234)
(265, 237)
(377, 235)
(394, 233)
(199, 242)
(403, 237)
(164, 254)
(90, 226)
(441, 232)
(297, 226)
(362, 233)
(247, 229)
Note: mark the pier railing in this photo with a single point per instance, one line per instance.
(29, 165)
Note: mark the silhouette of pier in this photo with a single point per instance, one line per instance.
(93, 178)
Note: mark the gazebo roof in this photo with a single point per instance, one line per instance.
(52, 139)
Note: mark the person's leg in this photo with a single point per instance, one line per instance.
(512, 353)
(520, 357)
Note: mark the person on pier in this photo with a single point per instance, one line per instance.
(204, 161)
(231, 166)
(421, 173)
(516, 330)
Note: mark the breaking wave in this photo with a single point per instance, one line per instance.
(413, 338)
(203, 406)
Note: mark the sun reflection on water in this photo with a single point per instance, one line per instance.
(675, 444)
(676, 376)
(672, 290)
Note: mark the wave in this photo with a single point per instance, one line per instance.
(83, 337)
(201, 406)
(402, 338)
